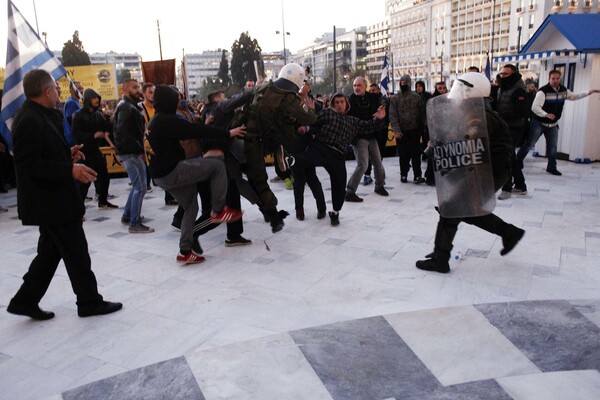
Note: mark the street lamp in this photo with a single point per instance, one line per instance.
(283, 33)
(284, 52)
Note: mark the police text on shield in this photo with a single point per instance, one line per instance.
(459, 154)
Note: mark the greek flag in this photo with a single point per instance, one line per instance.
(25, 51)
(385, 76)
(488, 67)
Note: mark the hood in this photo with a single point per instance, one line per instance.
(88, 95)
(407, 79)
(340, 95)
(165, 99)
(286, 85)
(509, 81)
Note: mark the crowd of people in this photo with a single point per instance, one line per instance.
(216, 152)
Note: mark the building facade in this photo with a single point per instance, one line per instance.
(350, 55)
(122, 61)
(199, 67)
(378, 42)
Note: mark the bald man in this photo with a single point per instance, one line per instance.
(364, 105)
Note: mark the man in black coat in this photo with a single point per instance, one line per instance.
(88, 127)
(47, 196)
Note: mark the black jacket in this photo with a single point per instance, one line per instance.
(166, 129)
(129, 127)
(511, 102)
(86, 123)
(47, 193)
(501, 146)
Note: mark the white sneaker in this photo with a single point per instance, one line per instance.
(504, 195)
(519, 191)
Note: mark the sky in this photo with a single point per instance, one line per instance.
(130, 26)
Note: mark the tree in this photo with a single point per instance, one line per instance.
(122, 75)
(210, 85)
(223, 74)
(325, 86)
(73, 53)
(244, 52)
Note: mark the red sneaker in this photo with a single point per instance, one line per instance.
(190, 258)
(226, 215)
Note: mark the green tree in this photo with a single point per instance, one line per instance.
(73, 53)
(223, 73)
(325, 86)
(122, 75)
(210, 85)
(244, 52)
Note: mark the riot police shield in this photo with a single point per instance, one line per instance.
(461, 156)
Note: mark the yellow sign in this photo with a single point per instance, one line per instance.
(99, 77)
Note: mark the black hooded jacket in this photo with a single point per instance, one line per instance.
(511, 100)
(166, 129)
(87, 121)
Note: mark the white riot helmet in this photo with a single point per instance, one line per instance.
(470, 85)
(293, 73)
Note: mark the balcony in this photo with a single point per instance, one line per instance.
(519, 10)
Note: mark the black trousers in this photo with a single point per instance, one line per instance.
(515, 177)
(320, 155)
(447, 227)
(97, 162)
(409, 152)
(63, 242)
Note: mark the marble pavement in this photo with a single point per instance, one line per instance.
(321, 312)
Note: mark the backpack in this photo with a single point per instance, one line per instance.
(261, 113)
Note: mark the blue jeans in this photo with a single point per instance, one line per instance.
(136, 169)
(535, 131)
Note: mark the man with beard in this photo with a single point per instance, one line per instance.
(547, 109)
(129, 141)
(407, 115)
(511, 104)
(88, 126)
(363, 105)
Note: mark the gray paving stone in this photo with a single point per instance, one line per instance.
(364, 359)
(171, 379)
(480, 390)
(552, 334)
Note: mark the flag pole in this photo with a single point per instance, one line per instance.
(37, 27)
(159, 43)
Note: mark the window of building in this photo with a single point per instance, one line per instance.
(571, 77)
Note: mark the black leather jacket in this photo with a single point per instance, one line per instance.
(129, 127)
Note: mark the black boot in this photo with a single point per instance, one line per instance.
(276, 220)
(438, 262)
(511, 238)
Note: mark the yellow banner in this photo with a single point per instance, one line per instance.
(1, 78)
(99, 77)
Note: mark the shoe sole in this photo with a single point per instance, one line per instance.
(189, 262)
(228, 217)
(237, 244)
